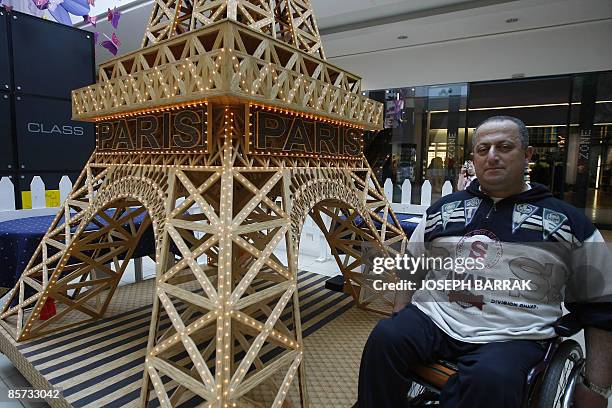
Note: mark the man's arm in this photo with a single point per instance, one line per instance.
(599, 355)
(402, 298)
(592, 305)
(415, 247)
(598, 367)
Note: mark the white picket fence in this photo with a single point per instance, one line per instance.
(405, 205)
(312, 241)
(8, 210)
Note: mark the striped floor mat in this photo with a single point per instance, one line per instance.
(101, 364)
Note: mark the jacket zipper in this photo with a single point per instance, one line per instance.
(492, 209)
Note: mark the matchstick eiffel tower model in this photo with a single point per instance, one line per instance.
(221, 134)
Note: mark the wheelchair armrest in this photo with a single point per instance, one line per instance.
(567, 326)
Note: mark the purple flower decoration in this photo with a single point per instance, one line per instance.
(111, 44)
(113, 16)
(60, 9)
(90, 19)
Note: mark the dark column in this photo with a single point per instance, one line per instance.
(587, 115)
(452, 137)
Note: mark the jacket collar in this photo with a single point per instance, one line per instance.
(536, 192)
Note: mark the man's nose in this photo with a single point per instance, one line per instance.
(492, 155)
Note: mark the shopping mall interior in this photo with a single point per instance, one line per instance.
(195, 196)
(423, 122)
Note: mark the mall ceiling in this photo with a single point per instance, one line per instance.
(352, 27)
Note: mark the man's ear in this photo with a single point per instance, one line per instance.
(528, 154)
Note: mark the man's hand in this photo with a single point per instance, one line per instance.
(585, 398)
(598, 367)
(401, 300)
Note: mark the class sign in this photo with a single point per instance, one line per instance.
(277, 133)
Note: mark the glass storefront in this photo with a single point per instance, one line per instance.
(424, 136)
(429, 129)
(589, 160)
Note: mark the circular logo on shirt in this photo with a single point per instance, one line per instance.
(482, 244)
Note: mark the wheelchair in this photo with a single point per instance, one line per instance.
(550, 384)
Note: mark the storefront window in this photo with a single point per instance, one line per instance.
(423, 136)
(543, 105)
(429, 129)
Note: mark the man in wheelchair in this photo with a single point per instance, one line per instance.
(541, 251)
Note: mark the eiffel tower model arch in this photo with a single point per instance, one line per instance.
(222, 134)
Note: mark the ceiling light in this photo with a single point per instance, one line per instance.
(512, 20)
(402, 37)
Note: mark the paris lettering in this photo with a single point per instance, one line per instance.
(174, 131)
(278, 133)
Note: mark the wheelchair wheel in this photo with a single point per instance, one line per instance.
(419, 396)
(557, 387)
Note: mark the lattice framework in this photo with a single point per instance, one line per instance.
(234, 209)
(231, 61)
(217, 214)
(290, 21)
